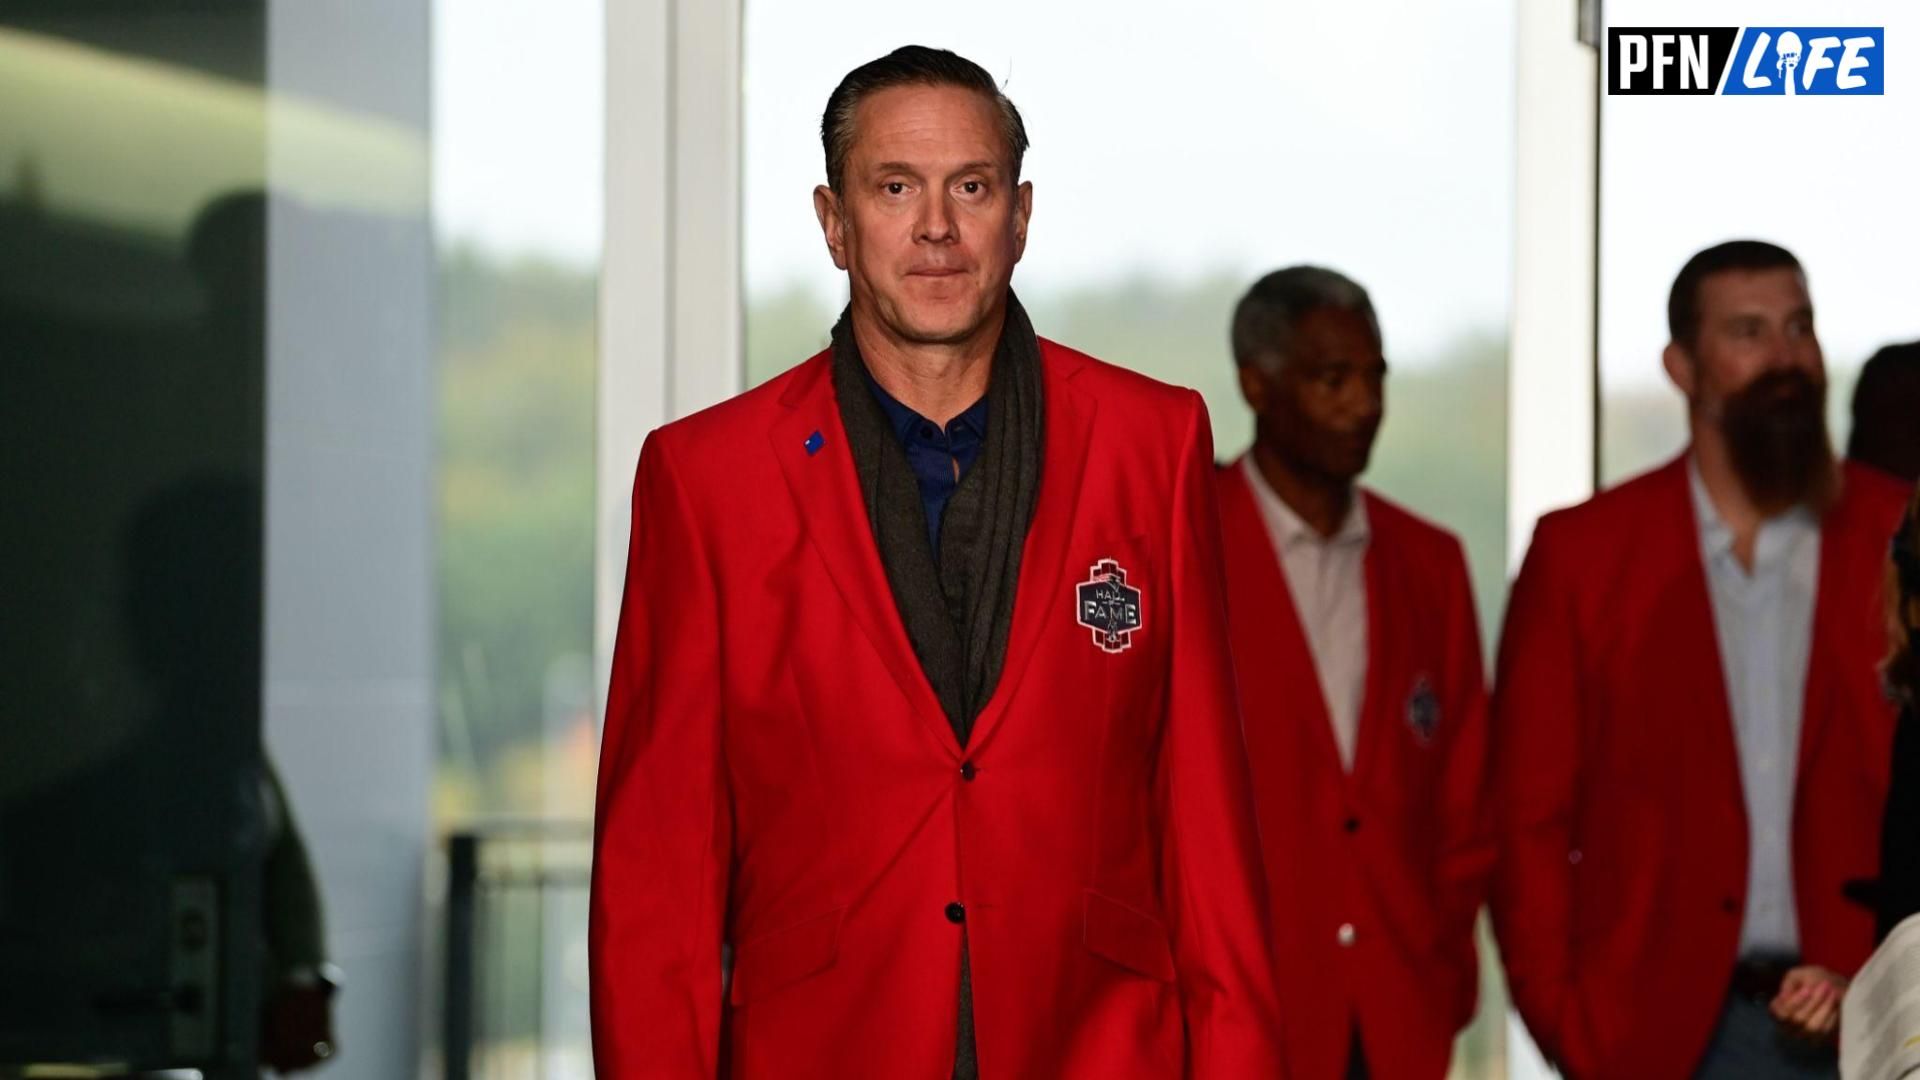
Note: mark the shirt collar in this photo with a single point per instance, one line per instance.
(974, 418)
(906, 422)
(1777, 534)
(1290, 528)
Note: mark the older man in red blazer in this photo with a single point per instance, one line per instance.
(1690, 734)
(921, 700)
(1360, 679)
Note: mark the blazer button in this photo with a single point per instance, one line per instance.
(956, 914)
(968, 772)
(1345, 935)
(1352, 824)
(1730, 906)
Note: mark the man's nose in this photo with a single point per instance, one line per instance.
(1783, 350)
(936, 220)
(1366, 399)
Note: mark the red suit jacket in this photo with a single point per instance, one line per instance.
(1398, 850)
(1620, 890)
(777, 773)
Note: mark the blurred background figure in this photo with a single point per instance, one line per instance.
(1362, 697)
(1689, 721)
(1886, 412)
(1899, 886)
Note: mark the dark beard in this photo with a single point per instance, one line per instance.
(1776, 432)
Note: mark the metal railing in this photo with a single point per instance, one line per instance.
(514, 991)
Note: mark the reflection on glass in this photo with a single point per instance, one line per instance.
(133, 815)
(214, 333)
(220, 306)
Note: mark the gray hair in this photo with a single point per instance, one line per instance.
(911, 65)
(1264, 319)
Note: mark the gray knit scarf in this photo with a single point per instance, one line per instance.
(957, 603)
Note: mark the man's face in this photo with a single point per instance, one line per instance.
(929, 222)
(1755, 374)
(1752, 323)
(1322, 408)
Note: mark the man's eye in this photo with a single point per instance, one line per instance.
(896, 188)
(971, 187)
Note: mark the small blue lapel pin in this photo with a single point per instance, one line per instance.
(814, 442)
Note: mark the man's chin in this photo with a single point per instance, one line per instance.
(1779, 477)
(1347, 468)
(1813, 483)
(940, 326)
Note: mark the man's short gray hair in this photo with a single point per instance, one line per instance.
(1264, 319)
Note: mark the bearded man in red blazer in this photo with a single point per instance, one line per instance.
(921, 701)
(1690, 735)
(1361, 685)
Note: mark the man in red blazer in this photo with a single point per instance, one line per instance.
(1360, 680)
(1690, 736)
(921, 701)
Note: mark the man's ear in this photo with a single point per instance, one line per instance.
(1022, 213)
(833, 223)
(1681, 368)
(1254, 388)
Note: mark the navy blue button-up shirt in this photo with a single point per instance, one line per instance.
(939, 457)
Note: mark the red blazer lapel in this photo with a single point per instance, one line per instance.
(1381, 704)
(811, 446)
(1278, 681)
(1852, 543)
(1828, 631)
(1041, 595)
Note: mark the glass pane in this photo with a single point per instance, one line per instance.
(297, 319)
(517, 222)
(1175, 159)
(218, 312)
(518, 107)
(132, 368)
(1822, 176)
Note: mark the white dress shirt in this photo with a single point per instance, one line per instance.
(1328, 579)
(1763, 621)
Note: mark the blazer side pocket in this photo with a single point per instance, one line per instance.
(776, 960)
(1128, 937)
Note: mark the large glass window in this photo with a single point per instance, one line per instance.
(216, 342)
(1830, 178)
(518, 120)
(132, 372)
(517, 222)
